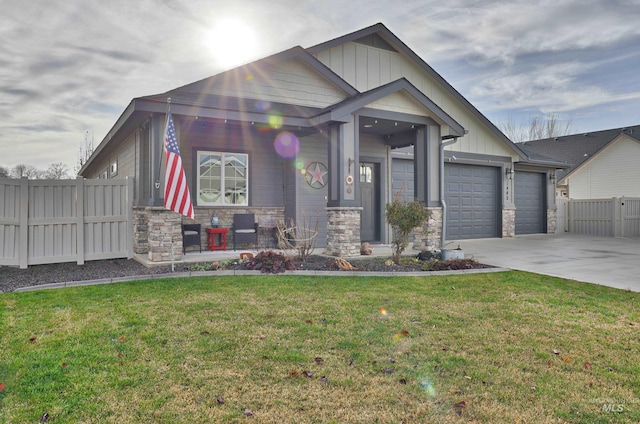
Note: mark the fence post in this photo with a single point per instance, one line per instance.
(622, 215)
(23, 233)
(80, 219)
(570, 215)
(129, 207)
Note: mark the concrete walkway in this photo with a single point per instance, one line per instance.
(609, 261)
(613, 262)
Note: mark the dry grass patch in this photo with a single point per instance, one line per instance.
(505, 347)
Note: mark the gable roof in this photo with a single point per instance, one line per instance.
(189, 100)
(380, 36)
(576, 149)
(343, 109)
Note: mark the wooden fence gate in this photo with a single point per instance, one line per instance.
(615, 217)
(51, 221)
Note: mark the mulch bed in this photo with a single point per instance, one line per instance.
(12, 278)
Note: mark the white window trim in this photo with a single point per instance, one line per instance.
(221, 203)
(113, 168)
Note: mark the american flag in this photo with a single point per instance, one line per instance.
(176, 190)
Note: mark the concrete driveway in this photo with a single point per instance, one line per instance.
(613, 262)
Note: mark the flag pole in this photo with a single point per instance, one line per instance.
(162, 150)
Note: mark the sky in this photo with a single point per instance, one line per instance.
(68, 69)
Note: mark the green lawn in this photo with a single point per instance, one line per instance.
(461, 348)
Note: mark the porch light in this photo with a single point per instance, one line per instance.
(552, 177)
(509, 172)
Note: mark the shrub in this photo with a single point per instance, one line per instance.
(403, 217)
(454, 264)
(270, 262)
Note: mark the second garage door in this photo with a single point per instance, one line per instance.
(472, 194)
(530, 203)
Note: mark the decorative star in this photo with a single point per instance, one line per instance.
(316, 174)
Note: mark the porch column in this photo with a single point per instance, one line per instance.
(343, 205)
(427, 186)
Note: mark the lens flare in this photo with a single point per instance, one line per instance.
(428, 387)
(300, 165)
(275, 121)
(263, 105)
(287, 145)
(383, 312)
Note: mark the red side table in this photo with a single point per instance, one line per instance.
(222, 238)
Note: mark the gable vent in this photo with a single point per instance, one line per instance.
(374, 40)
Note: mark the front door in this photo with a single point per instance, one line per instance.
(370, 197)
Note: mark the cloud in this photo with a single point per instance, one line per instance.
(502, 31)
(71, 67)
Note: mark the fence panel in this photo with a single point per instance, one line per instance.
(562, 218)
(9, 222)
(50, 221)
(592, 217)
(615, 217)
(630, 217)
(107, 220)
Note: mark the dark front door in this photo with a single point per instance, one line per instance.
(370, 196)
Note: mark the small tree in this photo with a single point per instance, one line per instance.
(403, 217)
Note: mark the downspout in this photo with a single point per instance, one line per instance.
(442, 201)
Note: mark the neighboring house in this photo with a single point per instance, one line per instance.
(317, 132)
(602, 164)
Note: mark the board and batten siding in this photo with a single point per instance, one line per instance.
(613, 172)
(290, 82)
(367, 67)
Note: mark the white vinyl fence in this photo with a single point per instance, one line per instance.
(615, 217)
(51, 221)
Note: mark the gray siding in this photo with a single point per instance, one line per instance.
(311, 202)
(266, 169)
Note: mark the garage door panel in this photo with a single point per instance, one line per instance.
(530, 202)
(472, 199)
(402, 178)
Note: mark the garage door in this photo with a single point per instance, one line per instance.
(402, 178)
(472, 195)
(530, 203)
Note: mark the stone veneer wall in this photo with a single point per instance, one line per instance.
(343, 231)
(154, 228)
(552, 221)
(429, 236)
(508, 222)
(164, 235)
(140, 230)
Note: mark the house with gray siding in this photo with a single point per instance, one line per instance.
(332, 132)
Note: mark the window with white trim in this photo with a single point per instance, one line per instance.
(223, 179)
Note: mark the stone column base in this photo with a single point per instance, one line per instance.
(343, 231)
(429, 236)
(508, 222)
(165, 235)
(552, 221)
